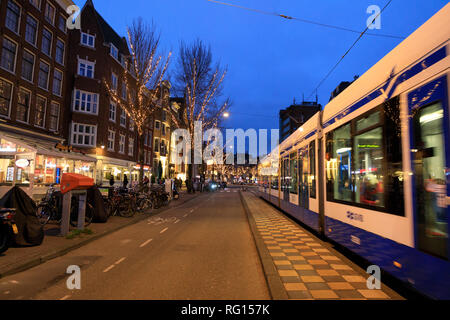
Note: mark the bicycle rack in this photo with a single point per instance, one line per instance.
(74, 184)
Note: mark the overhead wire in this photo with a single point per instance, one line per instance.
(304, 20)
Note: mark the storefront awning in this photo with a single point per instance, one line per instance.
(46, 148)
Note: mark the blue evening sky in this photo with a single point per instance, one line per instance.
(272, 60)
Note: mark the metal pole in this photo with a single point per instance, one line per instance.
(65, 224)
(81, 210)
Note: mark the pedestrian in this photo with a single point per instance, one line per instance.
(125, 181)
(111, 181)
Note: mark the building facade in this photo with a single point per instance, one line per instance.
(295, 116)
(95, 123)
(33, 67)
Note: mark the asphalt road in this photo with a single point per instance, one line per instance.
(201, 250)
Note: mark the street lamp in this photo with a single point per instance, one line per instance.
(226, 115)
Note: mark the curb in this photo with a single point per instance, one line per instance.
(276, 287)
(58, 253)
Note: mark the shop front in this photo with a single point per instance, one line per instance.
(117, 169)
(35, 165)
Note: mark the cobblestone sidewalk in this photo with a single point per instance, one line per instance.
(308, 267)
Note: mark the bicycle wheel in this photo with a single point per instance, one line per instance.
(44, 213)
(88, 215)
(128, 208)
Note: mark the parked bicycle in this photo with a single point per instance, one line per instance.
(49, 209)
(121, 203)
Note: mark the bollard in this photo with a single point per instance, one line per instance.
(65, 220)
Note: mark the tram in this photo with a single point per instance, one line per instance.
(371, 171)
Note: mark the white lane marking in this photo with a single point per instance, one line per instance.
(185, 215)
(162, 231)
(65, 297)
(145, 243)
(109, 268)
(176, 221)
(192, 210)
(7, 292)
(14, 281)
(120, 261)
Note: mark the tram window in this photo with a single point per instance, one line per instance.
(431, 190)
(369, 186)
(364, 160)
(293, 188)
(274, 183)
(312, 169)
(395, 202)
(369, 121)
(339, 164)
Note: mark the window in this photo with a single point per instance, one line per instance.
(339, 167)
(111, 140)
(50, 13)
(31, 30)
(364, 161)
(157, 124)
(114, 81)
(36, 3)
(5, 97)
(87, 40)
(123, 118)
(312, 170)
(163, 115)
(114, 52)
(41, 106)
(59, 55)
(122, 143)
(145, 156)
(27, 65)
(57, 82)
(146, 138)
(293, 188)
(46, 42)
(131, 125)
(86, 68)
(112, 111)
(54, 116)
(83, 134)
(44, 69)
(163, 129)
(62, 24)
(12, 16)
(130, 146)
(85, 102)
(124, 90)
(23, 105)
(156, 145)
(9, 55)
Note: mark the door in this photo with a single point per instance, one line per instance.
(321, 188)
(287, 179)
(430, 150)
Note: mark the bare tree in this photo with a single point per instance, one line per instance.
(143, 75)
(201, 83)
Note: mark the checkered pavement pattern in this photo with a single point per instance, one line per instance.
(308, 269)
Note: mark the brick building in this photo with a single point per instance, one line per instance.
(33, 66)
(95, 123)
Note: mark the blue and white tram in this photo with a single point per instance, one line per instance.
(371, 171)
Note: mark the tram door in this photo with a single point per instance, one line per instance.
(321, 186)
(303, 173)
(286, 180)
(430, 160)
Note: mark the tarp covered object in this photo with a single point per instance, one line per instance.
(95, 198)
(31, 232)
